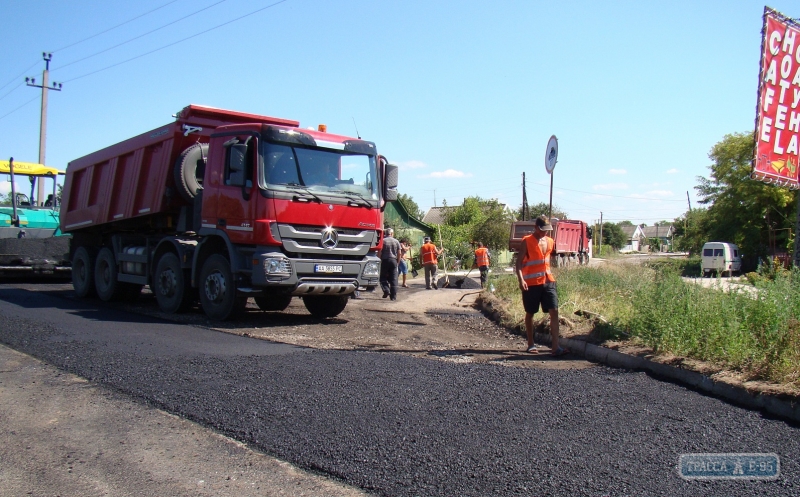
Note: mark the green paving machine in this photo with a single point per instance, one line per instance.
(31, 242)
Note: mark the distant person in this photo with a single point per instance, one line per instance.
(430, 253)
(390, 256)
(405, 260)
(482, 257)
(537, 283)
(49, 201)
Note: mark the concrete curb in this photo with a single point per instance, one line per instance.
(784, 409)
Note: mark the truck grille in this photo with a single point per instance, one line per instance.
(307, 240)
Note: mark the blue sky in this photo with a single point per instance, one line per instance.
(462, 95)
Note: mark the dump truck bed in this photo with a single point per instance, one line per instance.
(134, 178)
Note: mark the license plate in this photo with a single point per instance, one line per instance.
(325, 268)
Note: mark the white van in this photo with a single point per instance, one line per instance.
(721, 257)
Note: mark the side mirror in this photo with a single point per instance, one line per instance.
(390, 182)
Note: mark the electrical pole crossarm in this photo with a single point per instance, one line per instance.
(43, 122)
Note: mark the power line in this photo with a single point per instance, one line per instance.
(113, 27)
(21, 75)
(140, 36)
(11, 91)
(179, 41)
(18, 108)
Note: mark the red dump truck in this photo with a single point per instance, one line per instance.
(221, 206)
(573, 240)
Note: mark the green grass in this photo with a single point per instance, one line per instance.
(755, 333)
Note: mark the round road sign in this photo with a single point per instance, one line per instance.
(551, 154)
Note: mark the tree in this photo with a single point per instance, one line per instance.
(410, 206)
(5, 199)
(691, 230)
(624, 223)
(613, 235)
(476, 220)
(755, 216)
(542, 208)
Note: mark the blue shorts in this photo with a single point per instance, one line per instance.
(402, 267)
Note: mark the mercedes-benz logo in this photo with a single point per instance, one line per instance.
(330, 238)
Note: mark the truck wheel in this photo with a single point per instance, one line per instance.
(218, 294)
(272, 302)
(170, 285)
(83, 273)
(105, 276)
(190, 169)
(323, 306)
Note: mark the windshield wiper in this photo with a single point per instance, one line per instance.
(303, 196)
(358, 201)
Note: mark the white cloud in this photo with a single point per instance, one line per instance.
(447, 173)
(659, 193)
(672, 171)
(412, 164)
(611, 186)
(617, 171)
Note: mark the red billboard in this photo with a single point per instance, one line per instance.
(778, 113)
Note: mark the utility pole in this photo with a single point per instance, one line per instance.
(601, 234)
(524, 200)
(43, 121)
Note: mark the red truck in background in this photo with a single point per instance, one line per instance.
(573, 240)
(221, 206)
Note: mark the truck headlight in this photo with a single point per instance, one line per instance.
(372, 269)
(277, 266)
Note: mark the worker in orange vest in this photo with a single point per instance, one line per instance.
(482, 261)
(430, 253)
(537, 283)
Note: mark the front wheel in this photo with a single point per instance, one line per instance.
(324, 306)
(170, 282)
(218, 294)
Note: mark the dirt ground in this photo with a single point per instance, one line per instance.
(443, 324)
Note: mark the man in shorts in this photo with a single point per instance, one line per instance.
(537, 284)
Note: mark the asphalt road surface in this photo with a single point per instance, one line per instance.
(405, 426)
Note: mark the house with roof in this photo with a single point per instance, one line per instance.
(635, 238)
(397, 217)
(663, 233)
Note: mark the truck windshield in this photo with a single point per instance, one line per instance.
(324, 171)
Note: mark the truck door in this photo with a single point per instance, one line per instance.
(235, 197)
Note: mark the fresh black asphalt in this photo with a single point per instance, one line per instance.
(401, 426)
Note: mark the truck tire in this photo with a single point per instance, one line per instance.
(324, 306)
(272, 302)
(218, 294)
(190, 169)
(105, 277)
(83, 273)
(170, 287)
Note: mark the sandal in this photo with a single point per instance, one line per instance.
(559, 352)
(533, 349)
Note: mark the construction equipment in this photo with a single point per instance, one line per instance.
(30, 239)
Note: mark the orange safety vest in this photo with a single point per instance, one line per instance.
(428, 252)
(482, 256)
(536, 265)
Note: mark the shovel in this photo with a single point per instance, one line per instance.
(444, 261)
(460, 281)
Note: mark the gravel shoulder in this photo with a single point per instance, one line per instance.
(63, 435)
